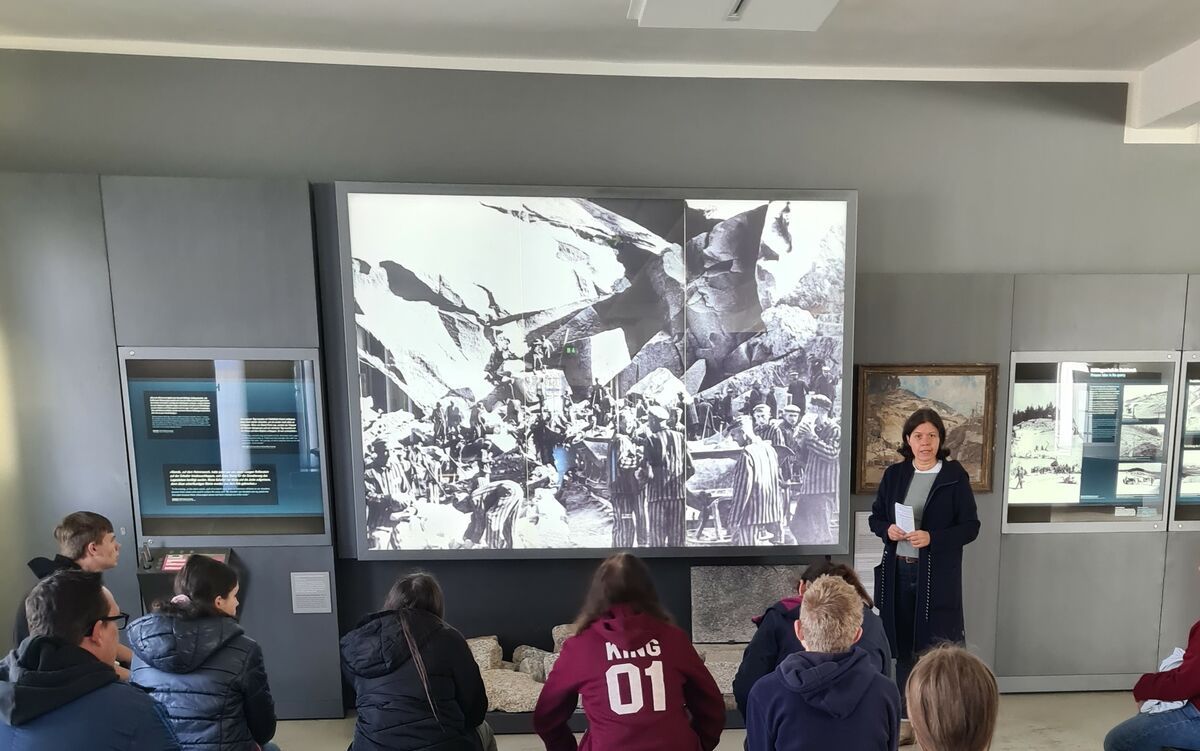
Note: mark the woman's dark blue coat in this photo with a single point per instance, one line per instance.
(951, 519)
(210, 678)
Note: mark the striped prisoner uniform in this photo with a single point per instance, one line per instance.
(757, 500)
(668, 466)
(816, 501)
(385, 485)
(772, 433)
(625, 493)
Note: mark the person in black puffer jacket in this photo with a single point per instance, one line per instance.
(193, 657)
(417, 686)
(775, 638)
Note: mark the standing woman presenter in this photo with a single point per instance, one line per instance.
(918, 584)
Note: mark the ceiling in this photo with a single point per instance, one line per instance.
(1154, 45)
(1101, 35)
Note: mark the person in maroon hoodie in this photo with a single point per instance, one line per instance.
(1178, 727)
(644, 686)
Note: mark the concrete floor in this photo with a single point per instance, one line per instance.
(1062, 722)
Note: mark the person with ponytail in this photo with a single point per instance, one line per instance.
(416, 684)
(644, 687)
(196, 661)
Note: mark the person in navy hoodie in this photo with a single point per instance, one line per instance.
(832, 695)
(193, 657)
(775, 638)
(644, 687)
(59, 689)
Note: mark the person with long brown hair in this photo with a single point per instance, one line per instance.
(644, 687)
(953, 701)
(198, 663)
(775, 637)
(416, 684)
(918, 582)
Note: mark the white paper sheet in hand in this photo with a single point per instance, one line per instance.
(904, 518)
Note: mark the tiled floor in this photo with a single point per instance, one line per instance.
(1062, 722)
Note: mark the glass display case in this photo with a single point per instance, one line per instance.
(225, 444)
(1090, 440)
(1187, 499)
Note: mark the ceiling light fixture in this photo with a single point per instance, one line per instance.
(735, 13)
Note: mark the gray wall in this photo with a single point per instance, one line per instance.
(61, 428)
(952, 177)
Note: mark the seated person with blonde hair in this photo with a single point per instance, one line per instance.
(832, 695)
(952, 701)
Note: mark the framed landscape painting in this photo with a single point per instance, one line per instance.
(965, 397)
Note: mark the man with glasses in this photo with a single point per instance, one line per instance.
(59, 688)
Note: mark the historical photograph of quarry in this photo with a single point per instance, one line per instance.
(544, 372)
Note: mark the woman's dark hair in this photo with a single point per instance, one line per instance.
(622, 579)
(197, 586)
(841, 571)
(417, 591)
(916, 420)
(422, 592)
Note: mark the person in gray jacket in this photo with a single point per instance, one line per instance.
(193, 657)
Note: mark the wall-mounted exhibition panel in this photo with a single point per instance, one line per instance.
(1185, 513)
(1090, 441)
(1058, 613)
(1098, 311)
(227, 446)
(211, 263)
(561, 371)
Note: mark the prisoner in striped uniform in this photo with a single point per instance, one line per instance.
(757, 501)
(496, 505)
(625, 492)
(821, 448)
(385, 485)
(666, 467)
(766, 429)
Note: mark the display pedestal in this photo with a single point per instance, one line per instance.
(156, 576)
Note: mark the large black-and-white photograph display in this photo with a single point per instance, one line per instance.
(587, 373)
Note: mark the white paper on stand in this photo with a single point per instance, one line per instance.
(868, 550)
(904, 518)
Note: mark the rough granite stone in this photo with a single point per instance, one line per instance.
(548, 662)
(486, 651)
(533, 664)
(725, 598)
(506, 665)
(561, 634)
(510, 691)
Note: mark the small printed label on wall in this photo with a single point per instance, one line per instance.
(311, 592)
